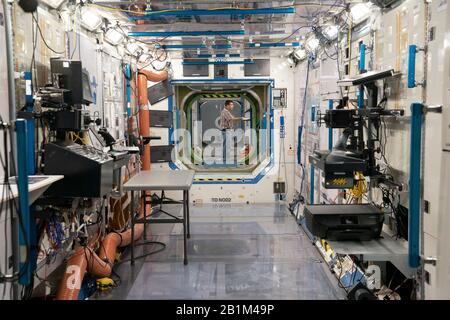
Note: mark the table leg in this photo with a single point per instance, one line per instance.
(188, 215)
(145, 215)
(184, 226)
(132, 227)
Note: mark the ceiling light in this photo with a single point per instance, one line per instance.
(300, 54)
(330, 32)
(312, 43)
(90, 19)
(113, 36)
(55, 4)
(132, 47)
(360, 11)
(292, 59)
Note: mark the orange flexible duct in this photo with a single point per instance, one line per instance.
(99, 265)
(85, 258)
(144, 115)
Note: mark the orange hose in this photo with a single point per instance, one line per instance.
(85, 258)
(73, 276)
(99, 265)
(144, 115)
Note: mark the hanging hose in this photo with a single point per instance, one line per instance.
(144, 114)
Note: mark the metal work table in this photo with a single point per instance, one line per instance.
(37, 185)
(161, 181)
(383, 249)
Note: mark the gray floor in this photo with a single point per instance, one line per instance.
(235, 252)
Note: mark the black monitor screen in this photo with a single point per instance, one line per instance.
(67, 74)
(159, 118)
(196, 70)
(161, 153)
(260, 67)
(87, 92)
(160, 91)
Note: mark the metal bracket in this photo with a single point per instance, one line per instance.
(434, 109)
(413, 50)
(430, 260)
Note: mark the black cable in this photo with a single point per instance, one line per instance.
(33, 56)
(42, 36)
(146, 254)
(302, 122)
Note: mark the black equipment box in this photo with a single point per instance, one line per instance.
(69, 75)
(162, 119)
(338, 167)
(69, 120)
(161, 153)
(159, 91)
(361, 222)
(87, 172)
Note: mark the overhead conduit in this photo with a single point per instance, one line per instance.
(85, 258)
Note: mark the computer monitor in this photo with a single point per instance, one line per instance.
(196, 70)
(66, 74)
(160, 118)
(159, 91)
(260, 68)
(87, 91)
(161, 153)
(69, 74)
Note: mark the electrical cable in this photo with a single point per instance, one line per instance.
(302, 122)
(43, 38)
(146, 254)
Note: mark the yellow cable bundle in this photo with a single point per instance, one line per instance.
(360, 189)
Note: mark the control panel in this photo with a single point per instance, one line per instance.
(279, 98)
(89, 152)
(88, 172)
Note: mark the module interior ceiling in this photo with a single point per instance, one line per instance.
(261, 27)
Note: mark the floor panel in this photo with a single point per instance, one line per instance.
(235, 252)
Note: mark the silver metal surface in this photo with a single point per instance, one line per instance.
(383, 249)
(160, 180)
(235, 252)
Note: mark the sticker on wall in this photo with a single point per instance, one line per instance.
(224, 199)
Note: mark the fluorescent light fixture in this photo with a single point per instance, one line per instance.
(132, 48)
(300, 54)
(360, 11)
(90, 19)
(312, 43)
(55, 4)
(330, 32)
(113, 36)
(291, 58)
